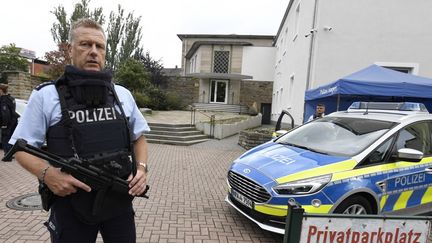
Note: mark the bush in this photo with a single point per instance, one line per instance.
(156, 99)
(173, 101)
(141, 99)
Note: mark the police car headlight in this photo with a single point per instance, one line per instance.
(305, 186)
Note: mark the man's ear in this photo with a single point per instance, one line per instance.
(69, 51)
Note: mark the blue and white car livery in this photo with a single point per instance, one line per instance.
(353, 162)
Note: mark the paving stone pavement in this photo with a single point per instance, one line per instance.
(188, 188)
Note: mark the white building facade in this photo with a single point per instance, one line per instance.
(320, 41)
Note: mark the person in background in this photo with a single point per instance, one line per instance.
(8, 117)
(319, 112)
(84, 115)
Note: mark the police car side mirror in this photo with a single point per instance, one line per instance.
(410, 155)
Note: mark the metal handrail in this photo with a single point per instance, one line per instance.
(211, 117)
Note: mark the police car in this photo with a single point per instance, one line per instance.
(20, 106)
(374, 158)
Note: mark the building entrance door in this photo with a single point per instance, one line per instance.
(219, 91)
(266, 113)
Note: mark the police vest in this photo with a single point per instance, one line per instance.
(94, 130)
(89, 131)
(8, 116)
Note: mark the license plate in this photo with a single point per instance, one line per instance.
(242, 199)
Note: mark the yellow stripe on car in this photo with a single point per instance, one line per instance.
(322, 170)
(276, 210)
(378, 168)
(402, 201)
(325, 208)
(280, 210)
(383, 201)
(344, 170)
(427, 196)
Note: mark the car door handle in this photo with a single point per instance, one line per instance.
(428, 171)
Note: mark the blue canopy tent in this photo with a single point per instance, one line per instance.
(373, 83)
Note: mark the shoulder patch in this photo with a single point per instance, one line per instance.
(40, 86)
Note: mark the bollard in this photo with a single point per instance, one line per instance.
(293, 223)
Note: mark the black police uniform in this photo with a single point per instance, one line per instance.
(8, 120)
(91, 128)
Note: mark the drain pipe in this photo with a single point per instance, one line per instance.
(312, 45)
(311, 52)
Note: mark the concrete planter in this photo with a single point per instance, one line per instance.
(250, 138)
(225, 130)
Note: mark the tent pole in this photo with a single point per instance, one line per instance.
(338, 102)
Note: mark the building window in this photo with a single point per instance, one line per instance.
(192, 62)
(297, 22)
(411, 68)
(221, 62)
(277, 101)
(401, 69)
(291, 88)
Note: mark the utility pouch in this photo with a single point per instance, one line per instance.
(47, 196)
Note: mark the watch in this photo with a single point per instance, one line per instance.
(144, 165)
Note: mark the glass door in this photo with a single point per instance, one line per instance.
(219, 91)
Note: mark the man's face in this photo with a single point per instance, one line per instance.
(87, 49)
(320, 109)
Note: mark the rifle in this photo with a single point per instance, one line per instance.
(82, 170)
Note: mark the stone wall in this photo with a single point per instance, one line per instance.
(223, 130)
(187, 89)
(249, 139)
(255, 91)
(21, 84)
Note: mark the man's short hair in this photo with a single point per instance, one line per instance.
(321, 104)
(84, 22)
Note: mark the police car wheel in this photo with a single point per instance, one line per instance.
(354, 205)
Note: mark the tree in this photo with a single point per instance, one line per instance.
(123, 34)
(60, 29)
(123, 38)
(131, 37)
(155, 69)
(57, 60)
(114, 35)
(133, 75)
(10, 60)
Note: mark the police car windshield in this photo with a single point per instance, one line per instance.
(337, 136)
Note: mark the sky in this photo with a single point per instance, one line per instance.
(27, 23)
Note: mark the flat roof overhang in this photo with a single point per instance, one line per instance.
(197, 44)
(218, 75)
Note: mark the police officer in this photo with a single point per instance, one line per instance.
(83, 114)
(320, 112)
(8, 117)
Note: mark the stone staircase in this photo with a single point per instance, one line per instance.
(242, 109)
(175, 134)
